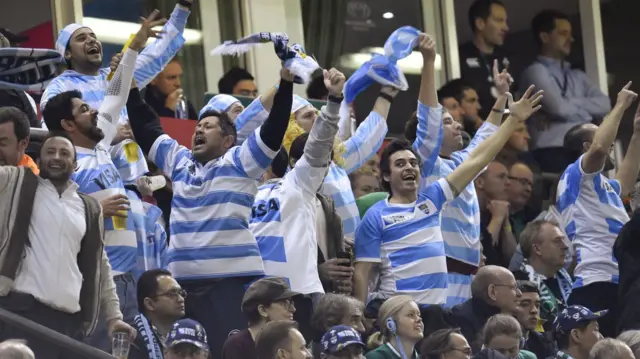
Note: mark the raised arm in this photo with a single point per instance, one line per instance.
(254, 115)
(310, 171)
(487, 150)
(157, 55)
(369, 136)
(429, 131)
(593, 161)
(628, 171)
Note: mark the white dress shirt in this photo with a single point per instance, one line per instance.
(50, 269)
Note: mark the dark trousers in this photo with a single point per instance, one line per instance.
(304, 310)
(599, 296)
(216, 305)
(28, 307)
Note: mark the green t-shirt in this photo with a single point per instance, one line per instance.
(367, 201)
(386, 351)
(525, 354)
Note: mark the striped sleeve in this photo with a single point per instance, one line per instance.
(252, 157)
(486, 130)
(251, 118)
(167, 153)
(368, 239)
(365, 142)
(429, 137)
(157, 55)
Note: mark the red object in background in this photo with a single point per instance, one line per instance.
(179, 130)
(40, 37)
(384, 144)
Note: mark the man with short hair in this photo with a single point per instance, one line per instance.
(165, 92)
(239, 82)
(14, 139)
(281, 339)
(342, 342)
(611, 349)
(15, 349)
(266, 300)
(576, 331)
(519, 194)
(60, 237)
(572, 97)
(187, 340)
(496, 234)
(160, 305)
(545, 249)
(488, 21)
(591, 206)
(527, 314)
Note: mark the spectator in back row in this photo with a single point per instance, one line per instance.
(527, 314)
(238, 82)
(572, 98)
(281, 339)
(14, 139)
(519, 193)
(488, 21)
(165, 91)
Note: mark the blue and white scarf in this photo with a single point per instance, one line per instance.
(293, 57)
(148, 334)
(382, 69)
(27, 69)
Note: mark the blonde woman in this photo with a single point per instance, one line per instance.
(503, 333)
(401, 329)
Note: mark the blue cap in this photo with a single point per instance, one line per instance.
(572, 316)
(338, 338)
(188, 331)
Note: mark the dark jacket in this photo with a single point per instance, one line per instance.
(156, 100)
(627, 251)
(540, 345)
(469, 316)
(335, 235)
(18, 99)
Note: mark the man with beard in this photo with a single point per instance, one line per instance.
(60, 237)
(83, 55)
(440, 159)
(212, 250)
(96, 174)
(591, 209)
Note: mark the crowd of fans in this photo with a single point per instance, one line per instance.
(490, 231)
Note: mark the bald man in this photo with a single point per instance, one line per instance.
(493, 290)
(611, 349)
(15, 349)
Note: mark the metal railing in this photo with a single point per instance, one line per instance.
(44, 333)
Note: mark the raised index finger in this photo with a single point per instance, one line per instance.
(627, 86)
(495, 68)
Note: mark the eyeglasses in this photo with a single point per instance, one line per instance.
(523, 181)
(465, 351)
(287, 304)
(173, 294)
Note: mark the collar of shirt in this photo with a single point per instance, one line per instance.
(71, 190)
(547, 61)
(563, 355)
(396, 352)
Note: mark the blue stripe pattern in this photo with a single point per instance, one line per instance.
(209, 226)
(461, 218)
(593, 214)
(407, 240)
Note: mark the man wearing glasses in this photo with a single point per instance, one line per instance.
(519, 192)
(161, 304)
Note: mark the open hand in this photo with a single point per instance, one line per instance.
(427, 46)
(146, 30)
(626, 96)
(334, 81)
(502, 80)
(527, 106)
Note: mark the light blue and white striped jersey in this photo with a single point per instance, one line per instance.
(127, 156)
(97, 176)
(366, 141)
(209, 224)
(593, 215)
(407, 241)
(152, 238)
(280, 219)
(461, 218)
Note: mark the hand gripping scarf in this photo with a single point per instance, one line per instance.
(294, 57)
(382, 69)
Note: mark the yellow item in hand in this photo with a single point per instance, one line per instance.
(131, 152)
(120, 223)
(124, 48)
